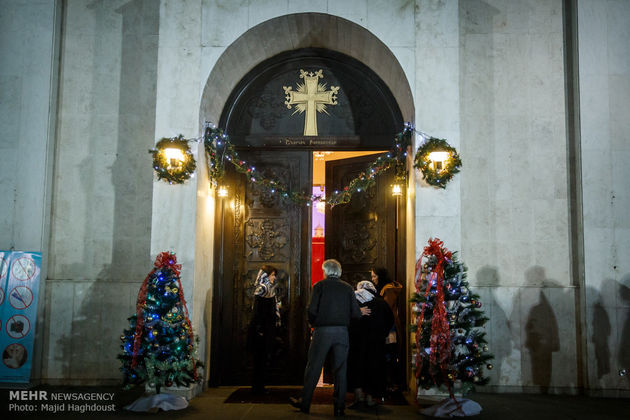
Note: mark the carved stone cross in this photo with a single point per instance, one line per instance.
(311, 97)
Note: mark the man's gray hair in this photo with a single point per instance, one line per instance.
(332, 268)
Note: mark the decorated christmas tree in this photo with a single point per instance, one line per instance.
(159, 347)
(450, 351)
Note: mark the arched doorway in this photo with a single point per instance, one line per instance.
(255, 228)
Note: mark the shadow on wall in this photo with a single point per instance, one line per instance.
(95, 319)
(624, 337)
(502, 337)
(610, 326)
(600, 329)
(542, 338)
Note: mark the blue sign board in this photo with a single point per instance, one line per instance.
(19, 286)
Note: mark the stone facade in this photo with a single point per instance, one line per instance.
(94, 85)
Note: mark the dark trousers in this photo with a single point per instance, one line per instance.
(260, 340)
(260, 360)
(325, 339)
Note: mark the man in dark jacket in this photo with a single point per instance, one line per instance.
(333, 305)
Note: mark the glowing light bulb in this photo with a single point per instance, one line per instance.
(438, 159)
(174, 157)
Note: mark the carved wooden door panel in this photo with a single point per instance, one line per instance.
(368, 231)
(361, 234)
(254, 229)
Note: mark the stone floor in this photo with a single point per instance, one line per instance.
(210, 405)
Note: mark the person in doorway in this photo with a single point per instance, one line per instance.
(262, 328)
(333, 305)
(366, 360)
(390, 290)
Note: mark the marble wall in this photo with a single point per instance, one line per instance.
(102, 193)
(514, 206)
(27, 76)
(29, 47)
(604, 83)
(437, 98)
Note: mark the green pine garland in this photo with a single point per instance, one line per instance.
(219, 149)
(431, 175)
(160, 164)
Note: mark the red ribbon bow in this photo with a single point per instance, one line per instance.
(440, 333)
(167, 260)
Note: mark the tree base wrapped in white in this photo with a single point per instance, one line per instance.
(448, 408)
(153, 403)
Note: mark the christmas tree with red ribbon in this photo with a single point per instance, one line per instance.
(450, 350)
(159, 347)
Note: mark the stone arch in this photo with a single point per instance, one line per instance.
(264, 41)
(302, 30)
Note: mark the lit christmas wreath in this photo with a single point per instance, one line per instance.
(172, 160)
(437, 161)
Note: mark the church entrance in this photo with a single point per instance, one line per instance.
(313, 119)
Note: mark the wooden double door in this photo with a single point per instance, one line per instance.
(254, 227)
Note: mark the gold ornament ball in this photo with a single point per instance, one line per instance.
(489, 366)
(174, 290)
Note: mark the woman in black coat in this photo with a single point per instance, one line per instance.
(366, 358)
(262, 328)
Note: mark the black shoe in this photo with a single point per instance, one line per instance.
(297, 403)
(339, 412)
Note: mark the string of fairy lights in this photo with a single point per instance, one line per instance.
(174, 163)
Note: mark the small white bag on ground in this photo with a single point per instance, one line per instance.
(153, 403)
(448, 408)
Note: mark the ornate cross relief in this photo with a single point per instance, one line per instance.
(311, 97)
(266, 237)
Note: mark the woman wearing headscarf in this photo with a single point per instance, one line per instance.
(262, 328)
(366, 359)
(390, 290)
